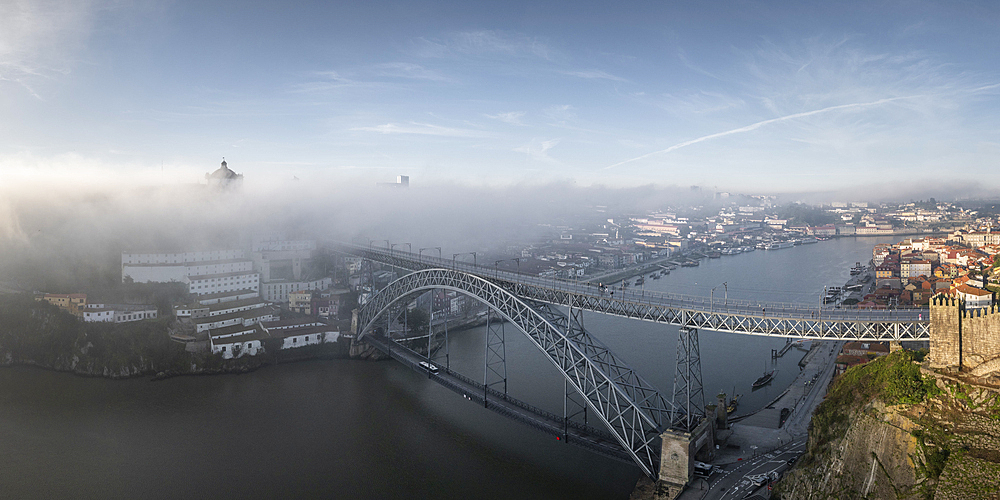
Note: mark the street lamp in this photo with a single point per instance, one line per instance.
(409, 248)
(386, 243)
(711, 299)
(496, 268)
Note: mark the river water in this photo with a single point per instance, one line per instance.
(355, 429)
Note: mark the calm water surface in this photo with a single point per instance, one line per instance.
(353, 429)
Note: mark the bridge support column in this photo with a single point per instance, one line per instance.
(495, 360)
(688, 394)
(573, 407)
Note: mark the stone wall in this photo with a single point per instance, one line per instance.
(946, 331)
(964, 339)
(980, 336)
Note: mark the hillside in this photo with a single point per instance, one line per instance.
(891, 429)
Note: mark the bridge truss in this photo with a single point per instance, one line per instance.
(756, 318)
(634, 411)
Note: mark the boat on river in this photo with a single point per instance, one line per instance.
(733, 404)
(763, 380)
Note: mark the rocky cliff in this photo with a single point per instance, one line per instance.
(893, 429)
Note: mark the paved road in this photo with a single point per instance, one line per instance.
(735, 479)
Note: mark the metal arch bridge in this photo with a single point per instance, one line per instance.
(630, 407)
(735, 316)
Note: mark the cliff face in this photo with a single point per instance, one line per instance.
(892, 430)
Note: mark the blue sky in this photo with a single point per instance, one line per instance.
(744, 96)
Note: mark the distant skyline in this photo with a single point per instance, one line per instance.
(741, 96)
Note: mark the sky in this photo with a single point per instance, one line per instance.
(741, 96)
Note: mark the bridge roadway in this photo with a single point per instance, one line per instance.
(569, 431)
(778, 319)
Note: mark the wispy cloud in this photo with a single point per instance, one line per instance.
(484, 43)
(760, 124)
(595, 74)
(560, 114)
(422, 129)
(693, 67)
(538, 150)
(38, 39)
(407, 70)
(512, 117)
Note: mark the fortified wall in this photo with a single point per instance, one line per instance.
(966, 340)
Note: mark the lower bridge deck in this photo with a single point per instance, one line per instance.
(569, 431)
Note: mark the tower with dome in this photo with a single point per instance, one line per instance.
(224, 179)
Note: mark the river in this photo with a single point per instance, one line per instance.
(355, 429)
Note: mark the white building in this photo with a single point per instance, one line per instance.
(224, 282)
(245, 318)
(974, 297)
(118, 313)
(237, 340)
(302, 335)
(166, 267)
(277, 291)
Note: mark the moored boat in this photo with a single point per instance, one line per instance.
(763, 380)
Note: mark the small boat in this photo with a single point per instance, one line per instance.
(714, 255)
(763, 380)
(857, 269)
(733, 404)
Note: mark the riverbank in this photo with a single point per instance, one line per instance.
(40, 335)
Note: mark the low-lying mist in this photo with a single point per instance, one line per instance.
(59, 236)
(64, 234)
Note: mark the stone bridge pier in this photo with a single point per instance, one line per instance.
(964, 340)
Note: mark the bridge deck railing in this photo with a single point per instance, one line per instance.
(698, 303)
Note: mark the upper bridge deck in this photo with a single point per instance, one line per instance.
(778, 319)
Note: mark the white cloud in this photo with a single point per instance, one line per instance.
(407, 70)
(512, 117)
(560, 114)
(538, 150)
(484, 43)
(755, 126)
(595, 74)
(39, 38)
(422, 129)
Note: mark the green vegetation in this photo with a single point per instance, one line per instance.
(894, 379)
(798, 213)
(39, 333)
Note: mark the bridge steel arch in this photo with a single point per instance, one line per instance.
(634, 411)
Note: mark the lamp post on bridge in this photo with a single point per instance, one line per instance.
(453, 263)
(711, 299)
(387, 245)
(496, 268)
(421, 251)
